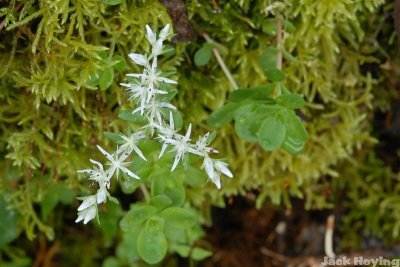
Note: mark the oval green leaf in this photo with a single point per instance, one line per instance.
(160, 202)
(199, 254)
(112, 2)
(106, 78)
(137, 215)
(203, 55)
(272, 133)
(119, 63)
(176, 192)
(275, 75)
(269, 58)
(222, 116)
(152, 244)
(178, 217)
(260, 93)
(296, 135)
(127, 115)
(292, 101)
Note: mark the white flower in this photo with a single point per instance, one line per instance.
(208, 165)
(97, 174)
(213, 169)
(101, 195)
(151, 79)
(154, 111)
(216, 180)
(130, 142)
(87, 214)
(151, 36)
(117, 164)
(201, 146)
(223, 167)
(166, 132)
(181, 145)
(164, 32)
(157, 44)
(87, 202)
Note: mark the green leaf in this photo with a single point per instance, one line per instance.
(211, 137)
(137, 214)
(261, 93)
(158, 185)
(127, 248)
(160, 202)
(272, 133)
(119, 63)
(222, 116)
(182, 250)
(178, 217)
(106, 78)
(8, 225)
(171, 92)
(275, 75)
(193, 176)
(128, 116)
(249, 117)
(93, 79)
(178, 120)
(292, 101)
(199, 254)
(176, 192)
(110, 262)
(296, 135)
(288, 56)
(56, 193)
(109, 221)
(269, 58)
(112, 2)
(152, 243)
(113, 136)
(203, 55)
(289, 27)
(269, 27)
(129, 186)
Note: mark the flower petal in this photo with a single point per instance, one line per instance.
(222, 167)
(105, 153)
(128, 172)
(90, 214)
(151, 37)
(138, 59)
(88, 202)
(164, 32)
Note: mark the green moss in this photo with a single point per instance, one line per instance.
(51, 118)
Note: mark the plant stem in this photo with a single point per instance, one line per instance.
(221, 63)
(145, 192)
(279, 42)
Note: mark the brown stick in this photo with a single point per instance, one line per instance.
(279, 42)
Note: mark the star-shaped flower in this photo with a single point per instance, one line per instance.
(130, 143)
(117, 163)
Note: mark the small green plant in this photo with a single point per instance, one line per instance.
(160, 219)
(266, 113)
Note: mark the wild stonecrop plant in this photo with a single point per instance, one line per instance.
(265, 114)
(151, 92)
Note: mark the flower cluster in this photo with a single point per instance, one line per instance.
(146, 91)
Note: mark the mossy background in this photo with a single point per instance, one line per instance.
(346, 66)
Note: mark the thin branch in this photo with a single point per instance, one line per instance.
(145, 192)
(330, 225)
(279, 42)
(221, 63)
